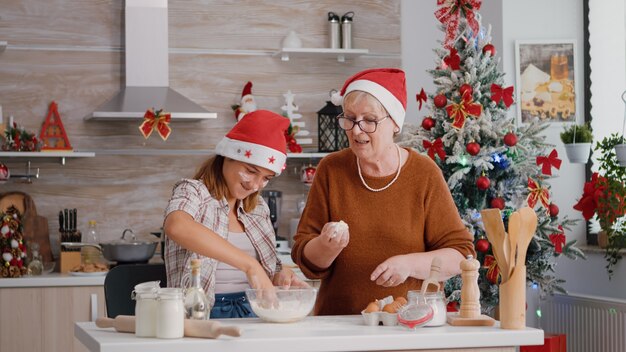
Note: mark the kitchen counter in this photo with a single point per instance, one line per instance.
(317, 333)
(52, 280)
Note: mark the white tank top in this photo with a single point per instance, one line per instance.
(229, 279)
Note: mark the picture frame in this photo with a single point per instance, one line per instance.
(546, 80)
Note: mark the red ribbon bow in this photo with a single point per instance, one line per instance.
(460, 111)
(547, 162)
(158, 121)
(493, 271)
(592, 192)
(498, 93)
(449, 15)
(436, 147)
(421, 98)
(537, 193)
(453, 60)
(558, 240)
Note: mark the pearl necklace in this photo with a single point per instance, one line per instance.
(358, 165)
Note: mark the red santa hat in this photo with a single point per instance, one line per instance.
(247, 90)
(388, 85)
(258, 139)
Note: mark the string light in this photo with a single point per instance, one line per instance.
(538, 312)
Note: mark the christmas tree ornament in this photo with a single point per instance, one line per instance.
(483, 183)
(5, 173)
(460, 111)
(493, 273)
(554, 210)
(497, 202)
(510, 139)
(53, 134)
(502, 94)
(158, 121)
(421, 98)
(247, 103)
(440, 100)
(473, 148)
(489, 48)
(428, 123)
(449, 15)
(482, 245)
(537, 193)
(548, 162)
(453, 60)
(558, 240)
(435, 147)
(466, 88)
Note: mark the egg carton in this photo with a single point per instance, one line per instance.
(375, 318)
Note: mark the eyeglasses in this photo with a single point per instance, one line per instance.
(367, 126)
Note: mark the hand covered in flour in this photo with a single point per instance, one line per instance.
(335, 235)
(287, 278)
(392, 272)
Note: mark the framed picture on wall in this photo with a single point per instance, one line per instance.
(546, 80)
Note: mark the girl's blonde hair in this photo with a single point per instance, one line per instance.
(211, 174)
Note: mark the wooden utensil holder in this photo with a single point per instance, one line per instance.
(513, 300)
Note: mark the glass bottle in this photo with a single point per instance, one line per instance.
(89, 254)
(35, 267)
(196, 301)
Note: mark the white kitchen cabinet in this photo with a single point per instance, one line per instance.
(42, 318)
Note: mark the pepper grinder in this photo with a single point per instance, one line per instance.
(470, 298)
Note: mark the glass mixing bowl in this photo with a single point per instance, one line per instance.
(287, 306)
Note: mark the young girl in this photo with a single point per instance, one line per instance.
(220, 218)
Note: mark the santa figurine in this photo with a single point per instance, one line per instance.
(248, 104)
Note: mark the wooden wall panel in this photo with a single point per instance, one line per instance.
(131, 191)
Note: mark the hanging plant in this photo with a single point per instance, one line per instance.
(577, 140)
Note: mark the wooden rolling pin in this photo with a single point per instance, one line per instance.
(193, 328)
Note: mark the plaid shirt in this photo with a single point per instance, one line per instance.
(192, 197)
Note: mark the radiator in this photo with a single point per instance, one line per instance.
(592, 324)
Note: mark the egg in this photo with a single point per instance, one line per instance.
(372, 307)
(402, 300)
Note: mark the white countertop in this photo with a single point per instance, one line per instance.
(314, 333)
(52, 280)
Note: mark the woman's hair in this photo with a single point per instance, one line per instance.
(211, 174)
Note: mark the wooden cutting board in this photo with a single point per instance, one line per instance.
(35, 226)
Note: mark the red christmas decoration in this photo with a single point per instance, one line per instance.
(466, 107)
(158, 121)
(449, 15)
(473, 148)
(428, 123)
(466, 88)
(453, 60)
(483, 183)
(421, 98)
(53, 133)
(547, 162)
(553, 209)
(558, 240)
(510, 139)
(435, 147)
(537, 193)
(492, 271)
(440, 100)
(482, 245)
(505, 94)
(497, 202)
(489, 48)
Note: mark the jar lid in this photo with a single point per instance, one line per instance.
(415, 315)
(148, 286)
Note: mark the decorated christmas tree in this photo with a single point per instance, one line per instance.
(487, 160)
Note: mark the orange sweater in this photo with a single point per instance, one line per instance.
(415, 214)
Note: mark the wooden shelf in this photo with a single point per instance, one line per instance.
(156, 152)
(47, 154)
(340, 54)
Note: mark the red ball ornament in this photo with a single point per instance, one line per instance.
(510, 139)
(473, 148)
(554, 210)
(428, 123)
(483, 183)
(489, 48)
(497, 202)
(465, 88)
(482, 245)
(440, 100)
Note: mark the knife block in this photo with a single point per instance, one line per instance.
(513, 300)
(68, 260)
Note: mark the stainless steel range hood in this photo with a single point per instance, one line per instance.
(147, 66)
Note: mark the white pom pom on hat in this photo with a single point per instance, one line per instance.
(388, 85)
(258, 139)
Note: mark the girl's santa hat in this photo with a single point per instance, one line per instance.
(388, 85)
(258, 139)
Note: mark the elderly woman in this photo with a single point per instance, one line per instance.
(396, 204)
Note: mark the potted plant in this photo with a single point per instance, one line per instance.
(620, 148)
(605, 196)
(577, 140)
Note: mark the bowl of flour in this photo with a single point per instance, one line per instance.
(282, 306)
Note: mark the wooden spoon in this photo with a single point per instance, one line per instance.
(526, 233)
(515, 222)
(494, 229)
